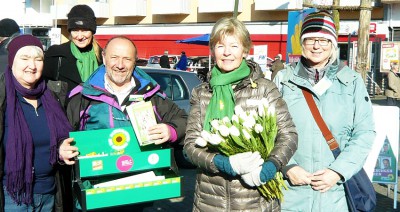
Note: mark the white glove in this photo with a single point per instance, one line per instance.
(243, 163)
(253, 178)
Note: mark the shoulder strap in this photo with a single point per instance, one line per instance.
(58, 68)
(330, 140)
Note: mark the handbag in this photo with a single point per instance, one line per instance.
(360, 193)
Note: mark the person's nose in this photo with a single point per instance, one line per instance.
(32, 63)
(227, 50)
(79, 34)
(120, 63)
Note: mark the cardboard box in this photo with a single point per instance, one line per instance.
(110, 154)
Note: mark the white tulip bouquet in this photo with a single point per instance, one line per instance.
(247, 131)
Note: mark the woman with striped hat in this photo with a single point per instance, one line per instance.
(314, 177)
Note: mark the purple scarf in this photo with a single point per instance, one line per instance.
(19, 150)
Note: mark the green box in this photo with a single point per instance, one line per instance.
(110, 154)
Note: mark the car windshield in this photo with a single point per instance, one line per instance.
(154, 60)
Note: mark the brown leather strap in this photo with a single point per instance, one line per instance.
(330, 140)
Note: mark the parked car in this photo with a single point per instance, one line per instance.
(141, 62)
(154, 61)
(178, 86)
(200, 64)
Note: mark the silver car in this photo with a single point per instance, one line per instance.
(177, 85)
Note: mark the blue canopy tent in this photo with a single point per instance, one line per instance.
(199, 40)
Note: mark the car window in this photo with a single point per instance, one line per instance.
(179, 89)
(154, 60)
(173, 59)
(164, 80)
(172, 85)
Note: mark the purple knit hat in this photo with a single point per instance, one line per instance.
(21, 41)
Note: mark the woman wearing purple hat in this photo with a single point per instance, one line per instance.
(314, 176)
(33, 126)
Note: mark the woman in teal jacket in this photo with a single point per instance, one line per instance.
(314, 177)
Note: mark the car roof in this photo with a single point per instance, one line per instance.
(191, 76)
(166, 70)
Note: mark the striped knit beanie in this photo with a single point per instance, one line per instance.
(319, 24)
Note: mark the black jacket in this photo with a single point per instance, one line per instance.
(164, 62)
(60, 64)
(4, 53)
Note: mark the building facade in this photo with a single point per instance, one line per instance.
(156, 25)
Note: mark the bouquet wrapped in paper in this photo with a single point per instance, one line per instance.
(247, 131)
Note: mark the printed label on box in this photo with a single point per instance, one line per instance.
(97, 165)
(124, 163)
(153, 159)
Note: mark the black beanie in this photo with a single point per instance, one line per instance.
(8, 27)
(81, 17)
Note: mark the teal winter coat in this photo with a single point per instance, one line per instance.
(346, 109)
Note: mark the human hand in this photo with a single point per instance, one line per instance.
(68, 152)
(298, 176)
(159, 133)
(253, 178)
(323, 180)
(243, 163)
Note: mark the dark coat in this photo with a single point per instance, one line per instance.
(182, 64)
(4, 53)
(59, 201)
(59, 57)
(164, 61)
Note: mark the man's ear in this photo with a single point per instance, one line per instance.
(103, 54)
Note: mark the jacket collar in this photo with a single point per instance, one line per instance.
(335, 71)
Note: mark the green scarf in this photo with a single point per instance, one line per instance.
(86, 62)
(222, 102)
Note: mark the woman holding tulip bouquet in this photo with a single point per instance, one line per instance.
(230, 182)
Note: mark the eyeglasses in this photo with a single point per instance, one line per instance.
(312, 41)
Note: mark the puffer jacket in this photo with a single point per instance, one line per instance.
(346, 109)
(216, 191)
